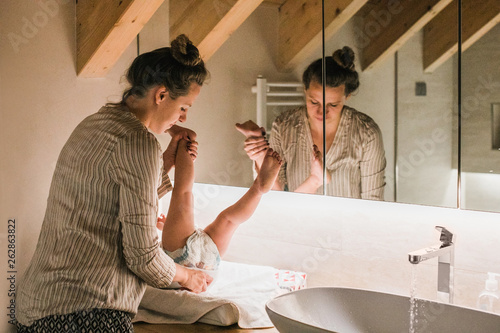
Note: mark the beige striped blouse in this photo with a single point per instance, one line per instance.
(355, 161)
(98, 245)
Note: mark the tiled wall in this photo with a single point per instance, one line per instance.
(358, 243)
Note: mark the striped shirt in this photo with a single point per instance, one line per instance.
(98, 246)
(355, 161)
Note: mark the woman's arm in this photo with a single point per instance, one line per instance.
(372, 166)
(276, 144)
(135, 167)
(193, 280)
(178, 133)
(255, 143)
(256, 146)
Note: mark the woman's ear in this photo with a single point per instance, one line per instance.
(161, 94)
(347, 97)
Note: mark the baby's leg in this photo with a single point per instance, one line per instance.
(249, 128)
(179, 223)
(224, 226)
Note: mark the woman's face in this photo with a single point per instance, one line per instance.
(335, 99)
(173, 110)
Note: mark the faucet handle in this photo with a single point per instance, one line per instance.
(446, 236)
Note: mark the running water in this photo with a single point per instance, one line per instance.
(413, 301)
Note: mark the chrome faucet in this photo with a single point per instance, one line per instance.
(445, 254)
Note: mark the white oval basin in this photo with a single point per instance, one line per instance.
(345, 310)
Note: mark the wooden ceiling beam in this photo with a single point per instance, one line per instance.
(105, 28)
(441, 34)
(208, 23)
(390, 23)
(300, 24)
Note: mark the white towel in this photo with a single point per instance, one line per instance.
(238, 295)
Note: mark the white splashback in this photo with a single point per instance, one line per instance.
(357, 243)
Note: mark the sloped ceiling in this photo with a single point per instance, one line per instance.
(385, 25)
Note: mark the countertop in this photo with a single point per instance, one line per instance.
(195, 328)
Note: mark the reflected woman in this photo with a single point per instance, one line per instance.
(355, 157)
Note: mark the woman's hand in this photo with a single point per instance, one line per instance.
(177, 134)
(256, 143)
(256, 148)
(189, 135)
(192, 280)
(192, 148)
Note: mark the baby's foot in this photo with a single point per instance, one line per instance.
(268, 171)
(317, 167)
(249, 128)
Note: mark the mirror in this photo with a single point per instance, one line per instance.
(480, 126)
(251, 50)
(408, 67)
(410, 97)
(427, 95)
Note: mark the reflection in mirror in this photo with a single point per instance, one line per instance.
(356, 156)
(427, 100)
(278, 40)
(411, 100)
(297, 36)
(250, 49)
(404, 75)
(426, 161)
(480, 186)
(239, 42)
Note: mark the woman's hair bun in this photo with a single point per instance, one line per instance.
(344, 57)
(184, 51)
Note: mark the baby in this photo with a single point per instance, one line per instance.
(193, 247)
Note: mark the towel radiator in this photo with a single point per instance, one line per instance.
(276, 94)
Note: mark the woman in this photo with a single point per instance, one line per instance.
(98, 246)
(355, 158)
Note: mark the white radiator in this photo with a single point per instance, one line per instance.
(275, 94)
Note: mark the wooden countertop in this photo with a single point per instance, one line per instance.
(195, 328)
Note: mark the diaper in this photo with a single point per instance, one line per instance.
(200, 252)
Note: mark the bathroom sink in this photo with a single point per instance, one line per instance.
(344, 310)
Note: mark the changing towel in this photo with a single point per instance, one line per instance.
(237, 295)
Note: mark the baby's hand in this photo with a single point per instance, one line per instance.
(160, 222)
